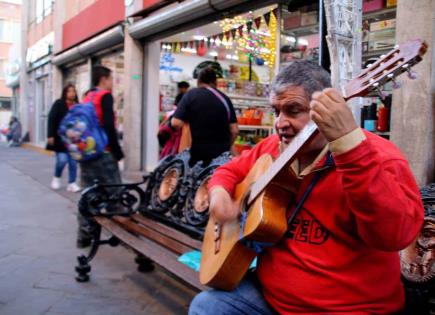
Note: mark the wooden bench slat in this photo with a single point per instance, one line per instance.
(153, 235)
(170, 232)
(155, 252)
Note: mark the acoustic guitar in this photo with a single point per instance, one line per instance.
(264, 195)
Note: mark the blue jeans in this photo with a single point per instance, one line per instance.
(62, 159)
(246, 299)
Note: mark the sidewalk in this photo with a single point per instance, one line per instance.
(38, 254)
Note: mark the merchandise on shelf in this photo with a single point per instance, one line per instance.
(309, 18)
(372, 5)
(391, 3)
(244, 88)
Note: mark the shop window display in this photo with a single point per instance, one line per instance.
(300, 33)
(378, 37)
(243, 52)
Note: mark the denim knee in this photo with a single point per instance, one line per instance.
(201, 303)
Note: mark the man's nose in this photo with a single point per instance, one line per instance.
(281, 122)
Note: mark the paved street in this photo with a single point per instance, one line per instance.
(38, 254)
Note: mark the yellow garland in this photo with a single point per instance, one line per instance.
(271, 46)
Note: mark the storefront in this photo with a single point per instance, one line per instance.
(243, 47)
(261, 39)
(104, 49)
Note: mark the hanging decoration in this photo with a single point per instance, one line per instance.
(257, 22)
(234, 23)
(201, 50)
(249, 26)
(270, 56)
(267, 18)
(275, 13)
(233, 32)
(240, 28)
(252, 44)
(253, 41)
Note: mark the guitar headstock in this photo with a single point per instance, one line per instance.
(401, 59)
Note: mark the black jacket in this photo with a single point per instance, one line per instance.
(109, 126)
(57, 113)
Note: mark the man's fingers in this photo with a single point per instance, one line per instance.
(333, 95)
(319, 108)
(316, 117)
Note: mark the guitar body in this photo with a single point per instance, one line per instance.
(266, 221)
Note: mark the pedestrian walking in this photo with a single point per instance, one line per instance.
(105, 168)
(54, 143)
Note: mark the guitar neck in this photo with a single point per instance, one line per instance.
(286, 157)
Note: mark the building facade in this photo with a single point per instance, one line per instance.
(10, 16)
(150, 45)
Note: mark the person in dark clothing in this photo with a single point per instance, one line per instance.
(212, 119)
(183, 87)
(105, 168)
(14, 133)
(57, 113)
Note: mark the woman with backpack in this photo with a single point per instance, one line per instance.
(57, 113)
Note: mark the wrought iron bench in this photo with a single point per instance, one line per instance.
(160, 218)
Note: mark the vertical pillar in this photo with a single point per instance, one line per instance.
(24, 106)
(133, 124)
(151, 104)
(413, 113)
(58, 20)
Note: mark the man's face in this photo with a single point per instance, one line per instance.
(183, 90)
(292, 113)
(107, 82)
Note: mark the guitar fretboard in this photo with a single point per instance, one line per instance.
(288, 156)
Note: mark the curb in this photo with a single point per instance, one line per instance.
(34, 147)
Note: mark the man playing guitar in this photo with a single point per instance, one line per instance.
(340, 253)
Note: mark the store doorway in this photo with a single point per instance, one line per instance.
(41, 112)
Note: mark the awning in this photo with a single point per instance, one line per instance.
(187, 11)
(110, 38)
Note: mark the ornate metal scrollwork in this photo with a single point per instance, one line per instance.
(196, 206)
(418, 261)
(109, 200)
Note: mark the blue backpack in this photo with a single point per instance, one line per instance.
(82, 134)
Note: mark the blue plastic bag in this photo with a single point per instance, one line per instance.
(193, 260)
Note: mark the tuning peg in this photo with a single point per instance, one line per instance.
(396, 84)
(381, 94)
(411, 74)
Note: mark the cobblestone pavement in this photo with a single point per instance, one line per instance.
(38, 254)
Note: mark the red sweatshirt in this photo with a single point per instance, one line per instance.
(340, 255)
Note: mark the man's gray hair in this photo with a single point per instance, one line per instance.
(308, 75)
